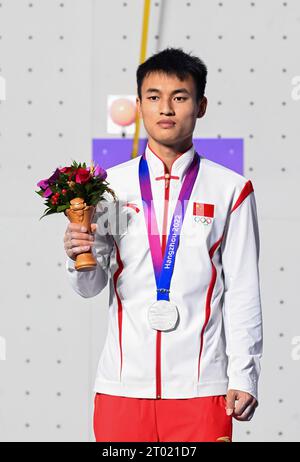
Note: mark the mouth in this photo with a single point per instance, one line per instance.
(166, 124)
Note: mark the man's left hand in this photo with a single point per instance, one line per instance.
(240, 404)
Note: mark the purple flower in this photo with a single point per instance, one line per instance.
(100, 172)
(54, 177)
(48, 192)
(43, 184)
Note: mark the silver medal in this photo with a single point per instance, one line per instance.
(162, 315)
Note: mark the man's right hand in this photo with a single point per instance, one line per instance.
(78, 241)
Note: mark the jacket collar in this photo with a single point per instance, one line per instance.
(178, 168)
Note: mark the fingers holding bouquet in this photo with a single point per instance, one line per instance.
(76, 190)
(77, 239)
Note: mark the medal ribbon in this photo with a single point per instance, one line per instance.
(163, 268)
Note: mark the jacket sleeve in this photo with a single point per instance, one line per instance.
(242, 313)
(90, 283)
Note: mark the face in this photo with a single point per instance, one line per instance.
(167, 97)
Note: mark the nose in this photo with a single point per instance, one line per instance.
(166, 107)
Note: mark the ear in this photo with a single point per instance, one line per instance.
(138, 105)
(202, 107)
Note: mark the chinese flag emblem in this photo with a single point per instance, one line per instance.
(204, 210)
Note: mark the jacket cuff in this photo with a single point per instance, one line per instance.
(70, 264)
(242, 384)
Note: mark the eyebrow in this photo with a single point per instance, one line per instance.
(179, 90)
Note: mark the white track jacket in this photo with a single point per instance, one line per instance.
(218, 342)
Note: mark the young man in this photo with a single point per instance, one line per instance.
(182, 353)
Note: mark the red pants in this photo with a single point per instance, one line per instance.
(119, 418)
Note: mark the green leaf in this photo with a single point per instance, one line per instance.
(47, 213)
(61, 208)
(40, 193)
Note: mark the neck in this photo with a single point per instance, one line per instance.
(168, 154)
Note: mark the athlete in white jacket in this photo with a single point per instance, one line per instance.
(196, 330)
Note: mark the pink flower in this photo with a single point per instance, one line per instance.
(48, 192)
(65, 170)
(45, 184)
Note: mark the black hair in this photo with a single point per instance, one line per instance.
(174, 61)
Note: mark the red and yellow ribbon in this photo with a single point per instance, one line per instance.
(142, 59)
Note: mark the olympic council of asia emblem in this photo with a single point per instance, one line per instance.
(203, 213)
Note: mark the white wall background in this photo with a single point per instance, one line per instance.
(60, 59)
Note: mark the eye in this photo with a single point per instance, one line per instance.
(180, 97)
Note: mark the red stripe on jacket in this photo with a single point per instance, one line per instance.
(120, 307)
(247, 189)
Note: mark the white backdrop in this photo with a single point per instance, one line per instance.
(60, 60)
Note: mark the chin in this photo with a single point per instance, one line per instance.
(166, 134)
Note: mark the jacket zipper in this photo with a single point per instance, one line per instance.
(163, 246)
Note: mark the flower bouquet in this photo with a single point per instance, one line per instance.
(76, 190)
